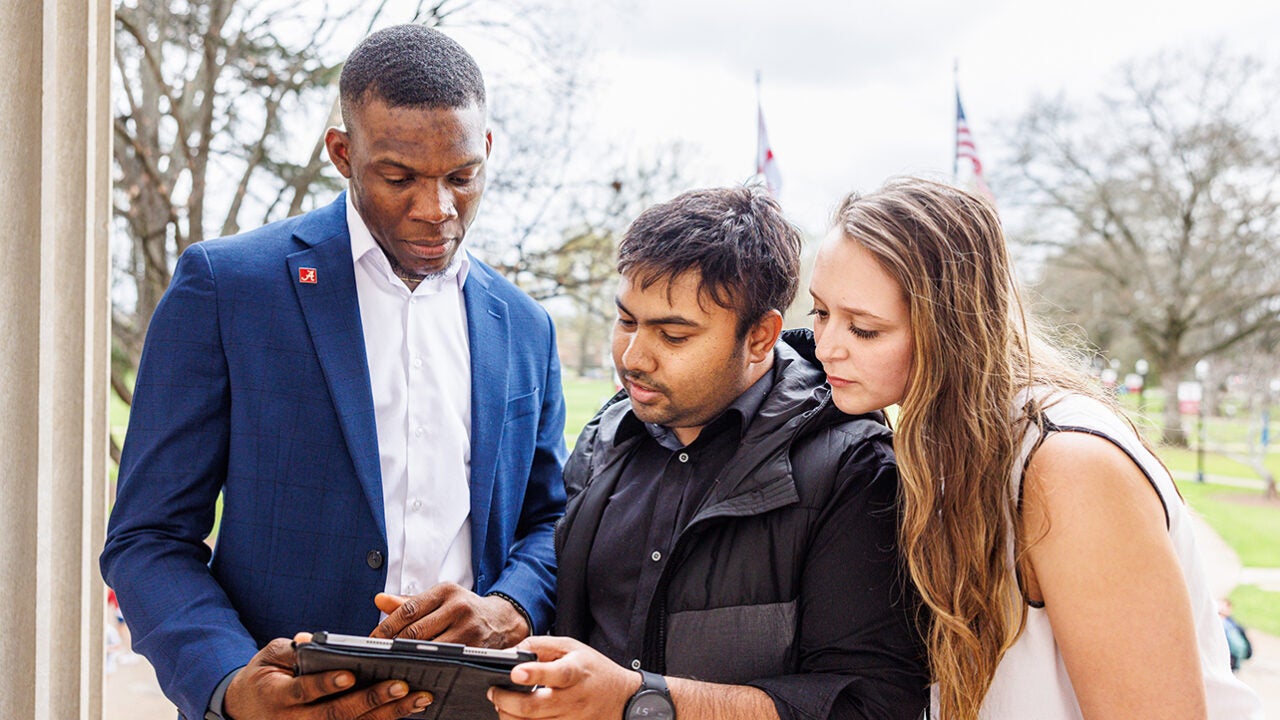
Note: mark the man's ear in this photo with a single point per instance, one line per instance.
(488, 143)
(338, 143)
(763, 335)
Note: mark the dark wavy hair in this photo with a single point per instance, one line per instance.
(746, 252)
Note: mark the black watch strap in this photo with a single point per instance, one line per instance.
(652, 701)
(654, 681)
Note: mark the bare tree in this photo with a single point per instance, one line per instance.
(1166, 191)
(202, 88)
(567, 247)
(568, 250)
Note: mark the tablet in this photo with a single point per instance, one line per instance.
(457, 675)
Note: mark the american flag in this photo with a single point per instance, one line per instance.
(968, 151)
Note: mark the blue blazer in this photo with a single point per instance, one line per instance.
(255, 385)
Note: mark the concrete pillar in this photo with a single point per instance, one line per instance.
(54, 314)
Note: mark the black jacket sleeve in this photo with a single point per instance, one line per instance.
(861, 654)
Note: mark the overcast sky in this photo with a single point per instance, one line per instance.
(855, 92)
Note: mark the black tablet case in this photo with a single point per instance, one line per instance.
(458, 684)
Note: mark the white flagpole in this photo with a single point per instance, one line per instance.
(759, 127)
(766, 166)
(955, 155)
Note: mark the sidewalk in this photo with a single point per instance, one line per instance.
(1251, 483)
(1262, 673)
(130, 691)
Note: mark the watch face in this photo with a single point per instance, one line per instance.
(650, 705)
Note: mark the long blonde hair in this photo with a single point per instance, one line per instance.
(958, 433)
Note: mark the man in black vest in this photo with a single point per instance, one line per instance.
(728, 528)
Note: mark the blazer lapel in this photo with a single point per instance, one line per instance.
(324, 278)
(488, 332)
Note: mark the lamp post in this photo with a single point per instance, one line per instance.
(1202, 372)
(1141, 367)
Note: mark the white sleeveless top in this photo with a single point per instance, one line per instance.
(1031, 680)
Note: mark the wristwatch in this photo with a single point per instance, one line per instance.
(652, 701)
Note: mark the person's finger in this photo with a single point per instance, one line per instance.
(415, 701)
(410, 610)
(310, 687)
(277, 653)
(561, 673)
(436, 626)
(364, 701)
(521, 705)
(387, 602)
(306, 689)
(547, 647)
(552, 669)
(434, 613)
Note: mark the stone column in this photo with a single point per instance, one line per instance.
(54, 313)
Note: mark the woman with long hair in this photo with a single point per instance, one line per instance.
(1050, 546)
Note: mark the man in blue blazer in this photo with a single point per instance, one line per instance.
(284, 369)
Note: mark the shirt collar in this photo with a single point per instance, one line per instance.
(362, 244)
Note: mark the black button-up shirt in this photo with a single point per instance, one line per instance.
(658, 493)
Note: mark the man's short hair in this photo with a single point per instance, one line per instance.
(746, 252)
(413, 66)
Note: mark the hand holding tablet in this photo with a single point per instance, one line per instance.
(458, 676)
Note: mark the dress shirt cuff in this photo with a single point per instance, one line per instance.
(219, 693)
(519, 608)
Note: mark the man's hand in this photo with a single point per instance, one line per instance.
(575, 683)
(266, 689)
(449, 613)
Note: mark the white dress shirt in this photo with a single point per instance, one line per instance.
(420, 372)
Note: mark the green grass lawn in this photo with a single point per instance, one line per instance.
(1256, 609)
(1184, 460)
(1252, 528)
(1249, 525)
(582, 398)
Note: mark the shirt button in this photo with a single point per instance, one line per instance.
(411, 588)
(635, 664)
(420, 432)
(684, 457)
(374, 559)
(656, 556)
(417, 362)
(417, 505)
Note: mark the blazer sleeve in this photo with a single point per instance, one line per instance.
(172, 469)
(529, 575)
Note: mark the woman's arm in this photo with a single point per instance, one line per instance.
(1101, 558)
